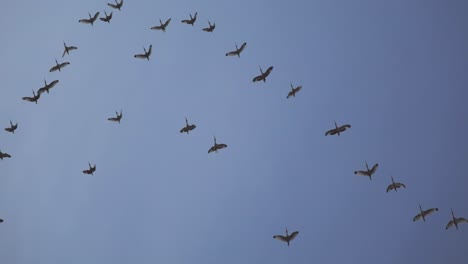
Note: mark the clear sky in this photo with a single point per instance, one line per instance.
(395, 70)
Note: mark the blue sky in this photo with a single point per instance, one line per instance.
(394, 70)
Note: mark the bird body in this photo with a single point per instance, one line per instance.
(368, 172)
(187, 127)
(117, 5)
(190, 21)
(34, 98)
(216, 146)
(455, 221)
(287, 238)
(337, 130)
(59, 66)
(91, 170)
(422, 214)
(395, 186)
(146, 55)
(162, 25)
(263, 75)
(210, 27)
(47, 87)
(12, 127)
(238, 51)
(4, 155)
(89, 20)
(67, 49)
(107, 18)
(294, 91)
(117, 118)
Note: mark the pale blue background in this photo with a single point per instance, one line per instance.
(395, 70)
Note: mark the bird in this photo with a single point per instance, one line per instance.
(216, 146)
(237, 51)
(89, 20)
(34, 98)
(146, 55)
(190, 21)
(294, 91)
(337, 130)
(91, 170)
(59, 66)
(12, 127)
(455, 221)
(368, 172)
(67, 49)
(423, 214)
(187, 127)
(117, 118)
(395, 186)
(4, 155)
(107, 18)
(47, 86)
(263, 75)
(287, 238)
(210, 27)
(1, 220)
(116, 5)
(162, 26)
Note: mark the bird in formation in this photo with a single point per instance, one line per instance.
(107, 17)
(210, 27)
(34, 98)
(117, 5)
(47, 87)
(216, 146)
(263, 75)
(422, 214)
(89, 20)
(146, 55)
(395, 185)
(59, 66)
(337, 129)
(12, 127)
(294, 91)
(162, 25)
(287, 238)
(117, 118)
(190, 21)
(91, 170)
(67, 49)
(455, 221)
(368, 172)
(4, 155)
(187, 127)
(238, 51)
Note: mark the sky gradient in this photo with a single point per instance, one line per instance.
(395, 70)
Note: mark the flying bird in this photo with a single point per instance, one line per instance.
(263, 75)
(91, 170)
(117, 118)
(423, 214)
(89, 20)
(455, 221)
(368, 172)
(47, 86)
(190, 21)
(67, 49)
(12, 127)
(107, 18)
(162, 25)
(187, 127)
(287, 238)
(59, 66)
(395, 186)
(238, 51)
(34, 98)
(294, 91)
(337, 130)
(4, 155)
(146, 54)
(216, 146)
(210, 27)
(116, 5)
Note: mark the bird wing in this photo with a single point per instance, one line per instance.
(103, 19)
(43, 89)
(167, 22)
(157, 28)
(183, 130)
(140, 56)
(417, 217)
(291, 93)
(192, 127)
(430, 211)
(331, 132)
(185, 21)
(461, 219)
(64, 52)
(390, 187)
(363, 173)
(399, 185)
(258, 78)
(95, 17)
(293, 235)
(268, 71)
(113, 5)
(30, 99)
(232, 53)
(374, 168)
(449, 224)
(242, 47)
(220, 146)
(213, 148)
(281, 238)
(297, 89)
(149, 50)
(63, 64)
(85, 21)
(53, 68)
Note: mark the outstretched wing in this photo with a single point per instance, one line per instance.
(85, 21)
(363, 173)
(331, 132)
(43, 89)
(399, 185)
(293, 235)
(213, 148)
(268, 71)
(232, 53)
(280, 238)
(374, 168)
(449, 224)
(242, 47)
(291, 93)
(140, 56)
(257, 78)
(390, 187)
(185, 129)
(430, 211)
(95, 17)
(157, 28)
(417, 217)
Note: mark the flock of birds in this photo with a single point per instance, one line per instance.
(337, 130)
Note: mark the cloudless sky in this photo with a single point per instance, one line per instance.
(395, 70)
